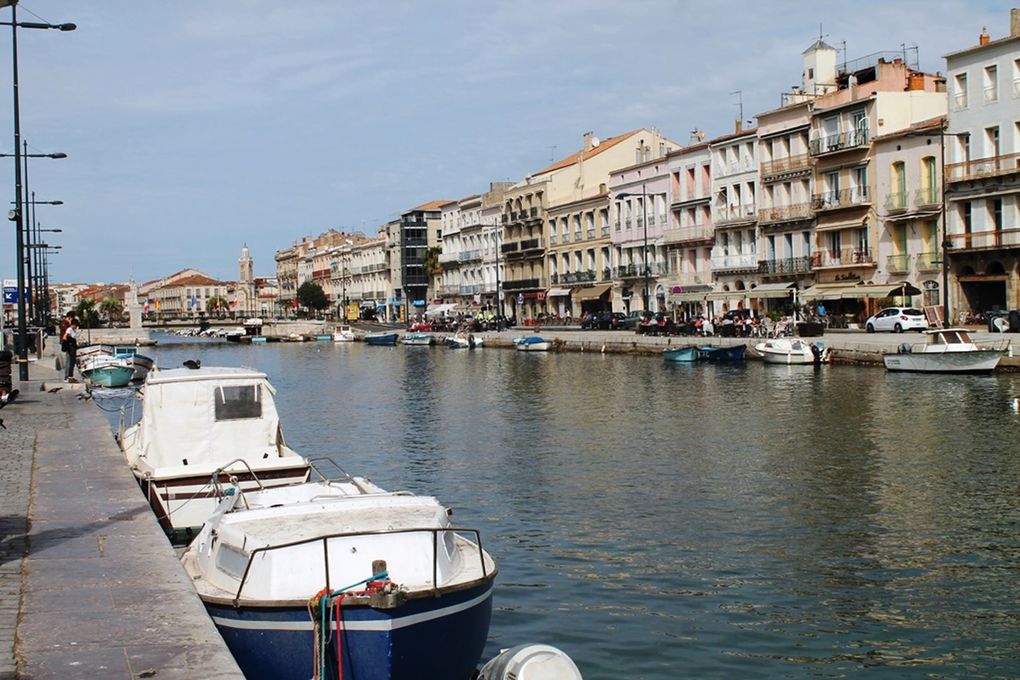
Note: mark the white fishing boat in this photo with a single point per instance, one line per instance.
(947, 350)
(139, 363)
(531, 343)
(464, 341)
(105, 370)
(792, 351)
(343, 333)
(203, 426)
(343, 579)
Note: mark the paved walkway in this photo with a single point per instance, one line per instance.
(89, 585)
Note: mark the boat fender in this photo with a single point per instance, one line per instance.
(530, 662)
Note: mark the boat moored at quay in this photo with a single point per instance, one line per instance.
(202, 427)
(343, 579)
(946, 350)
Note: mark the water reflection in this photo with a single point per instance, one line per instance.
(663, 521)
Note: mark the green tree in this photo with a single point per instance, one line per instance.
(111, 309)
(431, 261)
(311, 295)
(217, 304)
(86, 312)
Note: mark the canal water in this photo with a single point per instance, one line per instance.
(662, 521)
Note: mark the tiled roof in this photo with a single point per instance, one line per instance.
(604, 145)
(432, 205)
(196, 280)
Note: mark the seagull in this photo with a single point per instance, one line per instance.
(55, 390)
(193, 364)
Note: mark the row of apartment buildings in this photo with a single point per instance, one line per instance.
(835, 196)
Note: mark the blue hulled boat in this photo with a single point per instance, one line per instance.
(381, 338)
(345, 575)
(723, 354)
(684, 355)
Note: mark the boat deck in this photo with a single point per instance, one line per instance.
(90, 585)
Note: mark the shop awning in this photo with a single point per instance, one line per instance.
(593, 292)
(923, 214)
(727, 295)
(824, 291)
(771, 290)
(558, 292)
(689, 297)
(436, 310)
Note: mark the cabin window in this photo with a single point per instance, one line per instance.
(231, 561)
(238, 402)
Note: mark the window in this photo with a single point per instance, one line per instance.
(992, 141)
(995, 213)
(966, 212)
(1016, 77)
(960, 92)
(898, 197)
(928, 181)
(860, 189)
(931, 293)
(991, 84)
(238, 402)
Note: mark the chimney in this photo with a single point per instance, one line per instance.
(1014, 22)
(588, 146)
(697, 136)
(738, 126)
(983, 38)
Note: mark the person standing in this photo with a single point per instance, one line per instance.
(69, 343)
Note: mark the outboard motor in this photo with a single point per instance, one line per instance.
(530, 662)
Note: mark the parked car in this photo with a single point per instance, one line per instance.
(612, 321)
(897, 319)
(632, 320)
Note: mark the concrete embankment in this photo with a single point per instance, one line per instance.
(847, 347)
(89, 585)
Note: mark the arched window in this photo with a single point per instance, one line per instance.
(931, 294)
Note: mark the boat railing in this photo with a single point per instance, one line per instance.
(344, 475)
(215, 476)
(435, 531)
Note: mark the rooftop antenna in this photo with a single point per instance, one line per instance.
(552, 153)
(740, 104)
(843, 43)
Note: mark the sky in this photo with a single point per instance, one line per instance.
(192, 128)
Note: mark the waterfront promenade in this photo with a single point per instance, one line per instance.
(89, 585)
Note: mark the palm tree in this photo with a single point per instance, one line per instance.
(217, 304)
(86, 312)
(111, 309)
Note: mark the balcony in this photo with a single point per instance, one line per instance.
(449, 289)
(692, 234)
(960, 101)
(992, 239)
(846, 257)
(790, 265)
(446, 258)
(896, 202)
(795, 212)
(735, 214)
(785, 166)
(470, 256)
(844, 198)
(927, 197)
(732, 262)
(928, 262)
(636, 271)
(591, 234)
(991, 94)
(605, 230)
(532, 244)
(586, 276)
(472, 289)
(513, 247)
(842, 141)
(523, 284)
(898, 264)
(985, 167)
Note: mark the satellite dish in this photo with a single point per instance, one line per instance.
(595, 142)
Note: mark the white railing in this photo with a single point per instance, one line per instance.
(740, 261)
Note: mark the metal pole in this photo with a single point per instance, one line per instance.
(945, 232)
(21, 345)
(644, 218)
(496, 234)
(27, 225)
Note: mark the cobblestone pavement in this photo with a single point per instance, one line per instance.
(94, 589)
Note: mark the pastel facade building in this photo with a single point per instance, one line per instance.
(690, 235)
(735, 219)
(983, 174)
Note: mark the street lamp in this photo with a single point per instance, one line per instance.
(644, 221)
(16, 215)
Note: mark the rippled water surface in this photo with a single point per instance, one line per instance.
(667, 521)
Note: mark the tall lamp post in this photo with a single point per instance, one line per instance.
(45, 253)
(16, 215)
(644, 221)
(41, 305)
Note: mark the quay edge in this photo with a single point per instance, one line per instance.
(92, 587)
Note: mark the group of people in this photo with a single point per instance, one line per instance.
(69, 344)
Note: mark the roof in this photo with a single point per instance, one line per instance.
(194, 280)
(432, 205)
(819, 45)
(976, 48)
(936, 122)
(749, 132)
(591, 153)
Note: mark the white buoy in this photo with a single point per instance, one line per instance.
(530, 662)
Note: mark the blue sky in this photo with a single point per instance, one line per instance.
(192, 128)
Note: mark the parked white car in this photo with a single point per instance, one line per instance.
(897, 319)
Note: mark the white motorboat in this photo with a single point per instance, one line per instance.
(792, 351)
(139, 363)
(947, 350)
(105, 370)
(343, 333)
(462, 341)
(291, 575)
(532, 343)
(200, 427)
